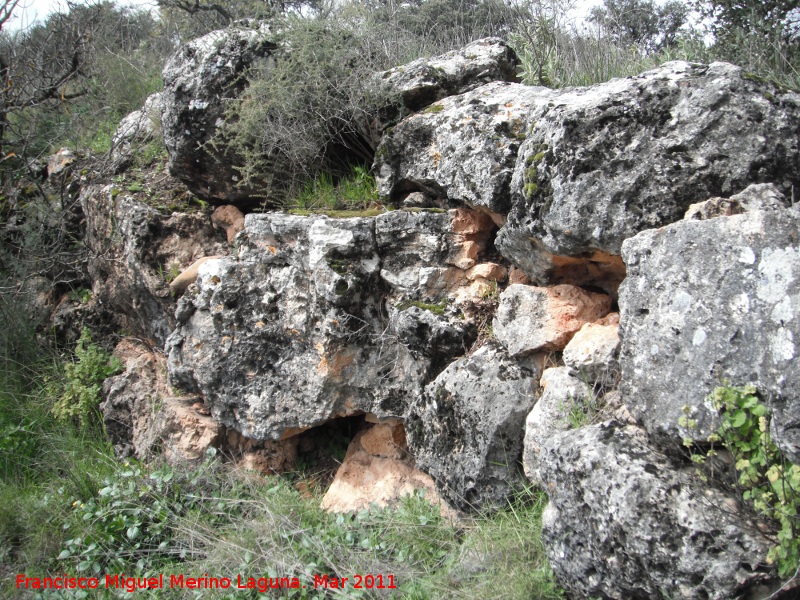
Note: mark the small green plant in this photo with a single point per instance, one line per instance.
(129, 522)
(17, 443)
(173, 270)
(491, 293)
(149, 153)
(82, 295)
(169, 272)
(83, 379)
(135, 187)
(583, 412)
(769, 483)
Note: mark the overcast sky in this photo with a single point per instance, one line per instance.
(28, 11)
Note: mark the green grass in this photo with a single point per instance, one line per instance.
(355, 192)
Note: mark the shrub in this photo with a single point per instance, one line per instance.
(128, 523)
(83, 380)
(315, 107)
(306, 113)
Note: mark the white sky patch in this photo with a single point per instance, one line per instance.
(28, 12)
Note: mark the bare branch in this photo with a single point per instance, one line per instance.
(6, 9)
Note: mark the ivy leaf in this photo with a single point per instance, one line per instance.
(739, 419)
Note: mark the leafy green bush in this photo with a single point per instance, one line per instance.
(768, 483)
(83, 381)
(128, 523)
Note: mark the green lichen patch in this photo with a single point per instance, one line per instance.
(434, 109)
(337, 214)
(530, 190)
(437, 308)
(531, 175)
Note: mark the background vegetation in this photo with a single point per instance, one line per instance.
(66, 502)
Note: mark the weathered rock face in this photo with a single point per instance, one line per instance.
(198, 80)
(608, 161)
(467, 429)
(288, 336)
(143, 418)
(419, 253)
(727, 310)
(463, 147)
(377, 470)
(533, 319)
(623, 522)
(296, 330)
(560, 393)
(759, 196)
(140, 126)
(593, 353)
(131, 247)
(426, 80)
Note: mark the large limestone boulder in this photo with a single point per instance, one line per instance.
(319, 317)
(426, 80)
(710, 301)
(290, 334)
(462, 147)
(467, 429)
(608, 161)
(623, 522)
(198, 80)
